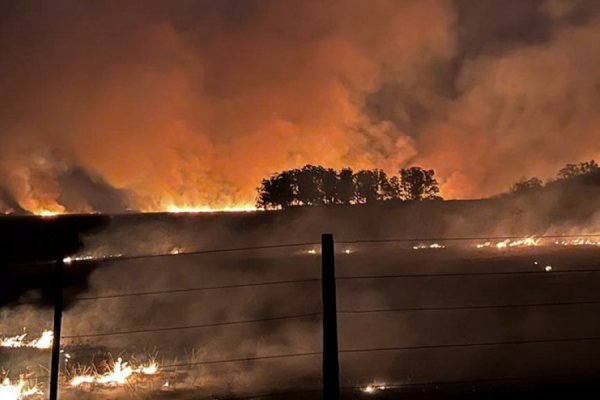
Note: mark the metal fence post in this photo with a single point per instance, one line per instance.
(331, 373)
(58, 308)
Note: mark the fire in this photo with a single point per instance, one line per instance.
(578, 242)
(200, 209)
(532, 241)
(17, 390)
(118, 375)
(423, 246)
(529, 241)
(373, 388)
(176, 250)
(171, 208)
(47, 213)
(43, 342)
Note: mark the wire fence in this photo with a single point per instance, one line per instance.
(315, 315)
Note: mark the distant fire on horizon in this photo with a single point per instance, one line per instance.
(187, 106)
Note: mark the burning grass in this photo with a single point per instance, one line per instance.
(112, 373)
(19, 390)
(43, 342)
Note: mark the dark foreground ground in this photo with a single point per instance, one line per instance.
(446, 355)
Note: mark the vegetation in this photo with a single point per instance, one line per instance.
(317, 185)
(527, 185)
(570, 173)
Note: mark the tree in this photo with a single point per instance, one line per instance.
(373, 185)
(366, 183)
(327, 179)
(345, 186)
(527, 185)
(572, 170)
(309, 187)
(276, 192)
(418, 184)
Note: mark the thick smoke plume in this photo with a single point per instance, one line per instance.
(156, 105)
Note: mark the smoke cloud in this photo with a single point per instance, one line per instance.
(189, 104)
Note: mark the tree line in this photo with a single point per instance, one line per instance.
(314, 185)
(568, 172)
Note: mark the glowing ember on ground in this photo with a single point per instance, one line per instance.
(548, 268)
(434, 246)
(19, 341)
(373, 388)
(176, 250)
(118, 375)
(17, 390)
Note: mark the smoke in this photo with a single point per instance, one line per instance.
(190, 104)
(161, 234)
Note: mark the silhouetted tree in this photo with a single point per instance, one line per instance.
(527, 185)
(417, 183)
(309, 185)
(365, 184)
(345, 189)
(394, 188)
(276, 192)
(572, 170)
(327, 178)
(315, 185)
(372, 185)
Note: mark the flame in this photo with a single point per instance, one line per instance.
(529, 241)
(532, 241)
(88, 257)
(118, 375)
(177, 209)
(373, 388)
(423, 246)
(44, 342)
(170, 208)
(176, 250)
(17, 391)
(47, 213)
(578, 242)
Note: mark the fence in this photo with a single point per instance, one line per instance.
(330, 353)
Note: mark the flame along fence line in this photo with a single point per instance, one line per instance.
(121, 257)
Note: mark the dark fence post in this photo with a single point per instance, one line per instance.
(331, 368)
(58, 308)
